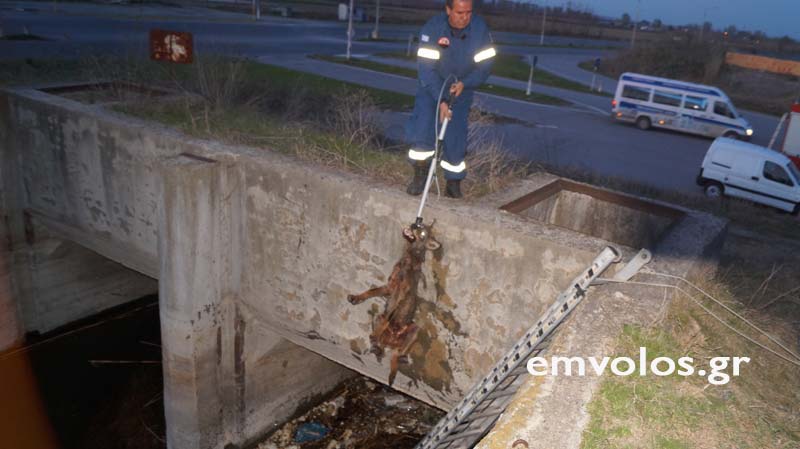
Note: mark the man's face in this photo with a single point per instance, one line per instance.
(460, 14)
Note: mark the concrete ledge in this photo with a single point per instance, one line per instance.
(247, 239)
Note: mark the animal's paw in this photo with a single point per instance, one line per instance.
(403, 359)
(352, 299)
(378, 351)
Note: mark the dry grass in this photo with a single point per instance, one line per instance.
(758, 409)
(336, 128)
(705, 63)
(491, 167)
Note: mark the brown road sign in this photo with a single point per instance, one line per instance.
(171, 46)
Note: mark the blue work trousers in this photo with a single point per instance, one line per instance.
(421, 135)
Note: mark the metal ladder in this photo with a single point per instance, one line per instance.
(480, 408)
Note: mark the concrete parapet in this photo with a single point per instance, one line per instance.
(227, 379)
(256, 253)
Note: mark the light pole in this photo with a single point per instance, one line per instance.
(636, 23)
(377, 18)
(544, 20)
(349, 29)
(703, 25)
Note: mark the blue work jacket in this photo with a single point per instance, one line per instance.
(468, 54)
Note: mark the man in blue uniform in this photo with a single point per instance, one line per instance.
(455, 51)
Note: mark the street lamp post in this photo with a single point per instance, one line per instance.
(636, 23)
(544, 21)
(349, 29)
(703, 25)
(377, 18)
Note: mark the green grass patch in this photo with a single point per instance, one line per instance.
(28, 71)
(582, 47)
(411, 73)
(751, 411)
(281, 78)
(516, 67)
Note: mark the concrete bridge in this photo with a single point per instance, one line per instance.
(253, 255)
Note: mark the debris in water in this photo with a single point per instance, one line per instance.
(308, 432)
(360, 414)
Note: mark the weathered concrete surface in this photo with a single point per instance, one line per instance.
(250, 246)
(10, 323)
(226, 378)
(52, 177)
(551, 411)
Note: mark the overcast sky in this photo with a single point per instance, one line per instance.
(774, 17)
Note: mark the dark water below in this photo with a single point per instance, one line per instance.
(67, 388)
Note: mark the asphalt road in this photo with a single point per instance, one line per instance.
(581, 136)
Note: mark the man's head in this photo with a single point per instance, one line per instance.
(459, 13)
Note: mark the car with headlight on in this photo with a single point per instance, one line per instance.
(650, 101)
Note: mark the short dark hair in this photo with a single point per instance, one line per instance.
(449, 3)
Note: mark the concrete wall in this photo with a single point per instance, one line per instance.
(10, 324)
(254, 250)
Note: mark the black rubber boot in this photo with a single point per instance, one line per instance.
(417, 184)
(453, 188)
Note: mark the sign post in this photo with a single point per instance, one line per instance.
(532, 60)
(595, 68)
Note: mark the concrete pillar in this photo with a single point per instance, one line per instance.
(11, 330)
(227, 378)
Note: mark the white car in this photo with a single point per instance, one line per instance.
(740, 169)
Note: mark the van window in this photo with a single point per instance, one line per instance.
(636, 93)
(667, 98)
(794, 171)
(775, 172)
(721, 108)
(695, 103)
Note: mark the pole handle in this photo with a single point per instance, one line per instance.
(444, 128)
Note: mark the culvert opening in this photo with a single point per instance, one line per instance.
(104, 92)
(611, 216)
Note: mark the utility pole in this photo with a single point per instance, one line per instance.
(349, 29)
(544, 20)
(377, 18)
(257, 9)
(703, 25)
(636, 23)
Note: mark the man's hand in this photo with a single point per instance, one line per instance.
(456, 88)
(444, 111)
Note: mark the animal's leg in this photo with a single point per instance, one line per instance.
(409, 340)
(379, 325)
(371, 293)
(394, 365)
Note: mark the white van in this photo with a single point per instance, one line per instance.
(748, 171)
(677, 105)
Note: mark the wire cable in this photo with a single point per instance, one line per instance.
(725, 323)
(733, 312)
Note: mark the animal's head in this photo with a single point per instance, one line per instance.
(420, 237)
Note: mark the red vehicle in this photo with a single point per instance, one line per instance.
(791, 139)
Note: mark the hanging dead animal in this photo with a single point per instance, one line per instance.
(394, 328)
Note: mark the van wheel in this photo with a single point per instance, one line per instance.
(714, 190)
(732, 135)
(643, 123)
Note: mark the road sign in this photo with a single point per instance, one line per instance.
(171, 46)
